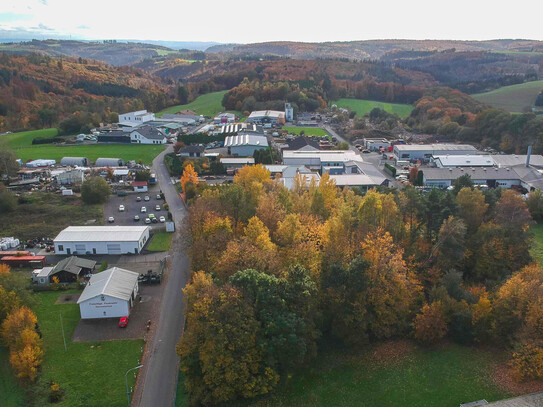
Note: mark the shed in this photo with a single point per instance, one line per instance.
(109, 294)
(140, 186)
(70, 269)
(109, 162)
(75, 161)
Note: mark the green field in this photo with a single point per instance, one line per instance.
(537, 248)
(361, 107)
(443, 377)
(308, 131)
(515, 98)
(160, 242)
(91, 373)
(11, 394)
(208, 105)
(24, 138)
(145, 153)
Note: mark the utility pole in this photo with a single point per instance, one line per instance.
(126, 382)
(63, 336)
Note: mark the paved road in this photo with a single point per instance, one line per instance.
(161, 366)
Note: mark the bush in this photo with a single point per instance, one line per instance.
(8, 201)
(95, 190)
(527, 362)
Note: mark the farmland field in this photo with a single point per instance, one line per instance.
(145, 153)
(24, 138)
(308, 131)
(441, 377)
(91, 373)
(515, 98)
(361, 107)
(208, 105)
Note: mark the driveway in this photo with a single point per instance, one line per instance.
(157, 383)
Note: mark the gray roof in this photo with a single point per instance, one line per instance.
(510, 160)
(300, 142)
(101, 234)
(109, 162)
(74, 161)
(114, 282)
(462, 160)
(246, 140)
(435, 147)
(192, 149)
(151, 133)
(528, 400)
(73, 265)
(474, 173)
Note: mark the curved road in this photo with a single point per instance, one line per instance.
(161, 366)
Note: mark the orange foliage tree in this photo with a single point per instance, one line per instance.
(189, 175)
(430, 324)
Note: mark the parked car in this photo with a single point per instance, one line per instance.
(152, 216)
(147, 221)
(123, 322)
(154, 220)
(121, 208)
(111, 219)
(138, 199)
(157, 207)
(366, 151)
(158, 196)
(143, 209)
(146, 198)
(136, 218)
(162, 219)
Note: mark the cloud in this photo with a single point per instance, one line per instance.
(83, 27)
(44, 2)
(44, 27)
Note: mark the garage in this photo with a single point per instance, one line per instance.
(114, 240)
(109, 294)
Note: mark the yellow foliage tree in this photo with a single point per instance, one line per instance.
(4, 268)
(189, 175)
(250, 174)
(258, 234)
(15, 323)
(25, 362)
(8, 302)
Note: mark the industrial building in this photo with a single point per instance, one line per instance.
(109, 162)
(332, 161)
(376, 144)
(452, 161)
(101, 240)
(109, 294)
(224, 118)
(267, 116)
(407, 152)
(136, 118)
(244, 145)
(287, 174)
(74, 162)
(491, 177)
(147, 135)
(234, 164)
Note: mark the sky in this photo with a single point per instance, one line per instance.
(237, 21)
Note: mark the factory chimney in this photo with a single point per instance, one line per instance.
(528, 154)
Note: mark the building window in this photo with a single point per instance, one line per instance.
(60, 248)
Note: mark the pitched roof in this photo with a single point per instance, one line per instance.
(114, 282)
(73, 265)
(150, 132)
(101, 233)
(300, 142)
(246, 140)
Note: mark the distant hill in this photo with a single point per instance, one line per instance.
(372, 49)
(515, 98)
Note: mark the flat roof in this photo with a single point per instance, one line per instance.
(267, 113)
(462, 160)
(101, 234)
(510, 160)
(474, 173)
(243, 160)
(324, 155)
(434, 147)
(114, 282)
(353, 180)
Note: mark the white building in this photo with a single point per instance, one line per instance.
(289, 112)
(147, 135)
(101, 240)
(245, 145)
(332, 161)
(234, 164)
(287, 174)
(376, 144)
(223, 118)
(452, 161)
(109, 294)
(266, 116)
(406, 152)
(491, 177)
(132, 119)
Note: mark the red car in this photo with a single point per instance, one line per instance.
(123, 322)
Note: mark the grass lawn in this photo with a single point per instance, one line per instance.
(361, 107)
(145, 153)
(160, 242)
(443, 377)
(515, 98)
(208, 105)
(46, 214)
(309, 131)
(91, 373)
(11, 394)
(24, 138)
(537, 248)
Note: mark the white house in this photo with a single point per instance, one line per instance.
(109, 294)
(147, 135)
(101, 240)
(137, 118)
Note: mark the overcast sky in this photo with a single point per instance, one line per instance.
(253, 21)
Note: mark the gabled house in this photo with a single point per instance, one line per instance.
(303, 144)
(147, 135)
(192, 151)
(70, 269)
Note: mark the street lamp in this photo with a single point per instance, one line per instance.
(126, 381)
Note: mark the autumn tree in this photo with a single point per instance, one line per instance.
(471, 207)
(535, 205)
(430, 325)
(250, 174)
(95, 190)
(189, 175)
(15, 322)
(8, 302)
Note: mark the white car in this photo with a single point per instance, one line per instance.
(143, 209)
(147, 220)
(111, 219)
(162, 219)
(146, 198)
(158, 196)
(136, 218)
(157, 208)
(121, 208)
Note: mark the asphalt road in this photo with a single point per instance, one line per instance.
(161, 366)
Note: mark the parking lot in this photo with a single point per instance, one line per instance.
(132, 208)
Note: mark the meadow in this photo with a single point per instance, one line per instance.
(24, 138)
(12, 395)
(308, 131)
(515, 98)
(160, 242)
(208, 105)
(361, 107)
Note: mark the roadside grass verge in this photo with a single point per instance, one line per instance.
(143, 153)
(515, 98)
(45, 214)
(208, 105)
(160, 242)
(361, 107)
(91, 373)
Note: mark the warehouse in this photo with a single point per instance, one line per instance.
(267, 116)
(406, 152)
(109, 162)
(101, 240)
(109, 294)
(75, 162)
(491, 177)
(245, 145)
(453, 161)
